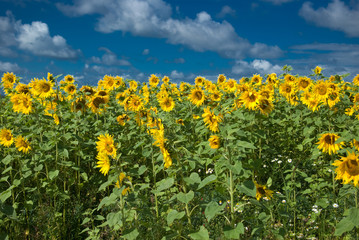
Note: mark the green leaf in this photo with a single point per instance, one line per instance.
(193, 178)
(234, 233)
(345, 225)
(8, 210)
(173, 215)
(246, 144)
(202, 234)
(185, 197)
(354, 216)
(7, 159)
(5, 194)
(53, 174)
(132, 235)
(163, 185)
(212, 210)
(248, 188)
(206, 181)
(142, 170)
(4, 236)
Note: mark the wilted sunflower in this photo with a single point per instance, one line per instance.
(197, 96)
(103, 163)
(105, 144)
(214, 142)
(262, 191)
(79, 105)
(327, 143)
(6, 137)
(22, 144)
(348, 168)
(211, 120)
(167, 104)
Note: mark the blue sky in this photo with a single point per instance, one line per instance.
(178, 38)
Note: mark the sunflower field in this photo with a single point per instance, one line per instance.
(265, 157)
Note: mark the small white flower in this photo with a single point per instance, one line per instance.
(335, 205)
(289, 160)
(284, 201)
(329, 170)
(279, 161)
(264, 166)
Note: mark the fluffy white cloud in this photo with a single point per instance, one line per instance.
(110, 58)
(277, 2)
(34, 37)
(9, 67)
(226, 10)
(256, 66)
(176, 75)
(337, 15)
(146, 51)
(152, 18)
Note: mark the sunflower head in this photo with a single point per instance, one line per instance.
(197, 96)
(6, 137)
(22, 144)
(154, 80)
(356, 80)
(221, 79)
(262, 191)
(348, 168)
(103, 163)
(317, 70)
(167, 104)
(214, 142)
(327, 143)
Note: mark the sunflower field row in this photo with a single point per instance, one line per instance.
(265, 157)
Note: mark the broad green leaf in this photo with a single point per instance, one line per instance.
(163, 185)
(173, 215)
(345, 225)
(202, 234)
(5, 194)
(132, 235)
(53, 174)
(7, 159)
(193, 178)
(246, 144)
(354, 216)
(206, 181)
(213, 209)
(234, 233)
(185, 197)
(248, 188)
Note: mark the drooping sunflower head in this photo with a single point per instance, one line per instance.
(348, 168)
(6, 137)
(214, 141)
(327, 143)
(22, 144)
(265, 105)
(106, 145)
(197, 96)
(103, 163)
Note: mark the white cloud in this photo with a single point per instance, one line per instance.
(226, 10)
(34, 37)
(337, 16)
(177, 75)
(9, 67)
(146, 51)
(277, 2)
(256, 66)
(109, 58)
(152, 18)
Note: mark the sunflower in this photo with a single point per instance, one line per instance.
(79, 105)
(256, 79)
(119, 82)
(304, 83)
(180, 121)
(197, 96)
(68, 79)
(211, 120)
(22, 144)
(262, 191)
(231, 85)
(135, 103)
(22, 88)
(313, 103)
(321, 90)
(265, 105)
(214, 142)
(42, 88)
(327, 143)
(70, 89)
(333, 98)
(21, 103)
(356, 80)
(317, 70)
(8, 80)
(348, 169)
(166, 158)
(216, 96)
(272, 79)
(6, 137)
(355, 144)
(250, 99)
(109, 82)
(104, 94)
(221, 79)
(103, 163)
(167, 104)
(165, 80)
(122, 118)
(50, 77)
(290, 79)
(286, 89)
(133, 85)
(154, 80)
(106, 145)
(97, 104)
(88, 91)
(199, 81)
